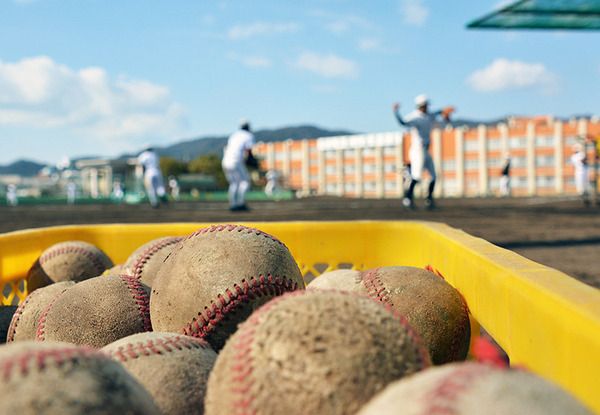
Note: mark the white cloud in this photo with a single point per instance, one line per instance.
(261, 29)
(414, 12)
(252, 61)
(503, 74)
(370, 44)
(328, 66)
(38, 92)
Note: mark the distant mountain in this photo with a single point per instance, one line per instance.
(189, 150)
(23, 168)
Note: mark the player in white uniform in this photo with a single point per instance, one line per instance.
(153, 180)
(238, 146)
(582, 178)
(420, 123)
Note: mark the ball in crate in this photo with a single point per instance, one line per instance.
(434, 308)
(313, 352)
(174, 368)
(145, 261)
(59, 378)
(67, 261)
(23, 325)
(470, 387)
(216, 277)
(339, 279)
(97, 312)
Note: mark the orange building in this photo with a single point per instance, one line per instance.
(468, 161)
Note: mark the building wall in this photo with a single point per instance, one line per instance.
(468, 161)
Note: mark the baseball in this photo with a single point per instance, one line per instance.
(67, 261)
(97, 312)
(339, 279)
(313, 352)
(172, 367)
(23, 325)
(59, 378)
(467, 388)
(145, 261)
(216, 277)
(434, 308)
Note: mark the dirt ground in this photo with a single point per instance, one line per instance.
(557, 232)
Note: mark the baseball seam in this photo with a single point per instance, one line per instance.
(148, 253)
(378, 292)
(242, 366)
(157, 346)
(141, 298)
(441, 400)
(233, 299)
(38, 360)
(10, 336)
(99, 263)
(460, 331)
(41, 328)
(231, 228)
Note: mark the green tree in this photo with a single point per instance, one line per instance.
(209, 164)
(172, 167)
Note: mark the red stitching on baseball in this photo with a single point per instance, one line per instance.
(243, 368)
(41, 328)
(464, 322)
(40, 359)
(375, 286)
(157, 346)
(441, 400)
(144, 257)
(230, 228)
(99, 262)
(204, 325)
(10, 336)
(141, 297)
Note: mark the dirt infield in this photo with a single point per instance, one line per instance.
(558, 232)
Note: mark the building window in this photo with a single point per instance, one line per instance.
(389, 186)
(471, 145)
(518, 142)
(389, 167)
(331, 188)
(449, 165)
(545, 160)
(296, 155)
(349, 187)
(518, 162)
(368, 168)
(368, 152)
(389, 150)
(544, 141)
(471, 164)
(349, 169)
(349, 153)
(495, 144)
(544, 181)
(330, 170)
(369, 186)
(330, 154)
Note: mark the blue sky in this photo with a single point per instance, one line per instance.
(104, 77)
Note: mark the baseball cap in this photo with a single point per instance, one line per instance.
(243, 123)
(421, 100)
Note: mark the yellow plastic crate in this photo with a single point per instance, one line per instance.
(544, 319)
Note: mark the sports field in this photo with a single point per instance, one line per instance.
(557, 232)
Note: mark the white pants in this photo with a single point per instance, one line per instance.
(420, 160)
(154, 186)
(505, 185)
(582, 180)
(239, 183)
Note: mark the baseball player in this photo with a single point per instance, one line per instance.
(239, 145)
(420, 122)
(153, 180)
(582, 179)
